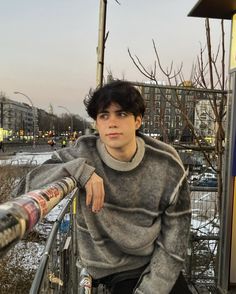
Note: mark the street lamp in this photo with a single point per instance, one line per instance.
(31, 102)
(71, 117)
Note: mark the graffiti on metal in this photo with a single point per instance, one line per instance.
(19, 215)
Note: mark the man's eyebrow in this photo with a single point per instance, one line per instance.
(107, 111)
(102, 111)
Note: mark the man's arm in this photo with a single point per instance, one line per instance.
(54, 170)
(170, 249)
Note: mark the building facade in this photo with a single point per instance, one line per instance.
(19, 119)
(173, 113)
(164, 112)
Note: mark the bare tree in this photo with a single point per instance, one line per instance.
(218, 104)
(204, 75)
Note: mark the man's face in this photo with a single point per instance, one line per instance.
(117, 129)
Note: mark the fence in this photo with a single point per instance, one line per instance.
(201, 265)
(57, 269)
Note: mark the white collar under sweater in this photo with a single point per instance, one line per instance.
(121, 165)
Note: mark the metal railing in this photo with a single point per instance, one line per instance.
(57, 271)
(201, 265)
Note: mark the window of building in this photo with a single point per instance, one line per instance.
(167, 118)
(177, 111)
(167, 111)
(156, 117)
(167, 124)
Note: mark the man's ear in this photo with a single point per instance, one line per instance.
(138, 121)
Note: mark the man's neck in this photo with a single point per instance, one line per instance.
(122, 154)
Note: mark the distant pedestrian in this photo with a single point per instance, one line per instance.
(1, 146)
(51, 143)
(63, 143)
(71, 142)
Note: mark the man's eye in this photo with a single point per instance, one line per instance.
(123, 113)
(103, 115)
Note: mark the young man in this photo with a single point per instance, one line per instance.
(134, 209)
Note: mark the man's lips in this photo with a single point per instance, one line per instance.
(113, 134)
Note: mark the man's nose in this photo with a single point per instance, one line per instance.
(112, 121)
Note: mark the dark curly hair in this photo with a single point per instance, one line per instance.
(120, 92)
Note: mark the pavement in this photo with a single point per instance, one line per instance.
(10, 151)
(5, 155)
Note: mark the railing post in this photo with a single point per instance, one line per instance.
(59, 274)
(74, 245)
(66, 267)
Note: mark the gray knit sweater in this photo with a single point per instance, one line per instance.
(146, 215)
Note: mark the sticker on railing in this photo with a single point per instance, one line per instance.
(21, 214)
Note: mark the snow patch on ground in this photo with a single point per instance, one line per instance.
(23, 158)
(28, 254)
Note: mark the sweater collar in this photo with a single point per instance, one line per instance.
(121, 165)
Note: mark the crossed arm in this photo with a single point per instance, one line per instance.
(95, 192)
(53, 170)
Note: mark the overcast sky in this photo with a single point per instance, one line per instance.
(48, 47)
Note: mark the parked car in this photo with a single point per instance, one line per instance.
(206, 182)
(193, 178)
(208, 175)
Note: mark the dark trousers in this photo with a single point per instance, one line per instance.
(127, 286)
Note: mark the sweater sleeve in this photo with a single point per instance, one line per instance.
(52, 171)
(170, 247)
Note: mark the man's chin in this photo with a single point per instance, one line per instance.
(114, 145)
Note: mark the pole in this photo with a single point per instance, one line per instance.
(227, 249)
(84, 126)
(1, 114)
(101, 42)
(33, 113)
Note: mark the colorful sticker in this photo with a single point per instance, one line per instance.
(10, 229)
(32, 210)
(41, 201)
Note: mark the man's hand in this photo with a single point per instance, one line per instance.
(95, 192)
